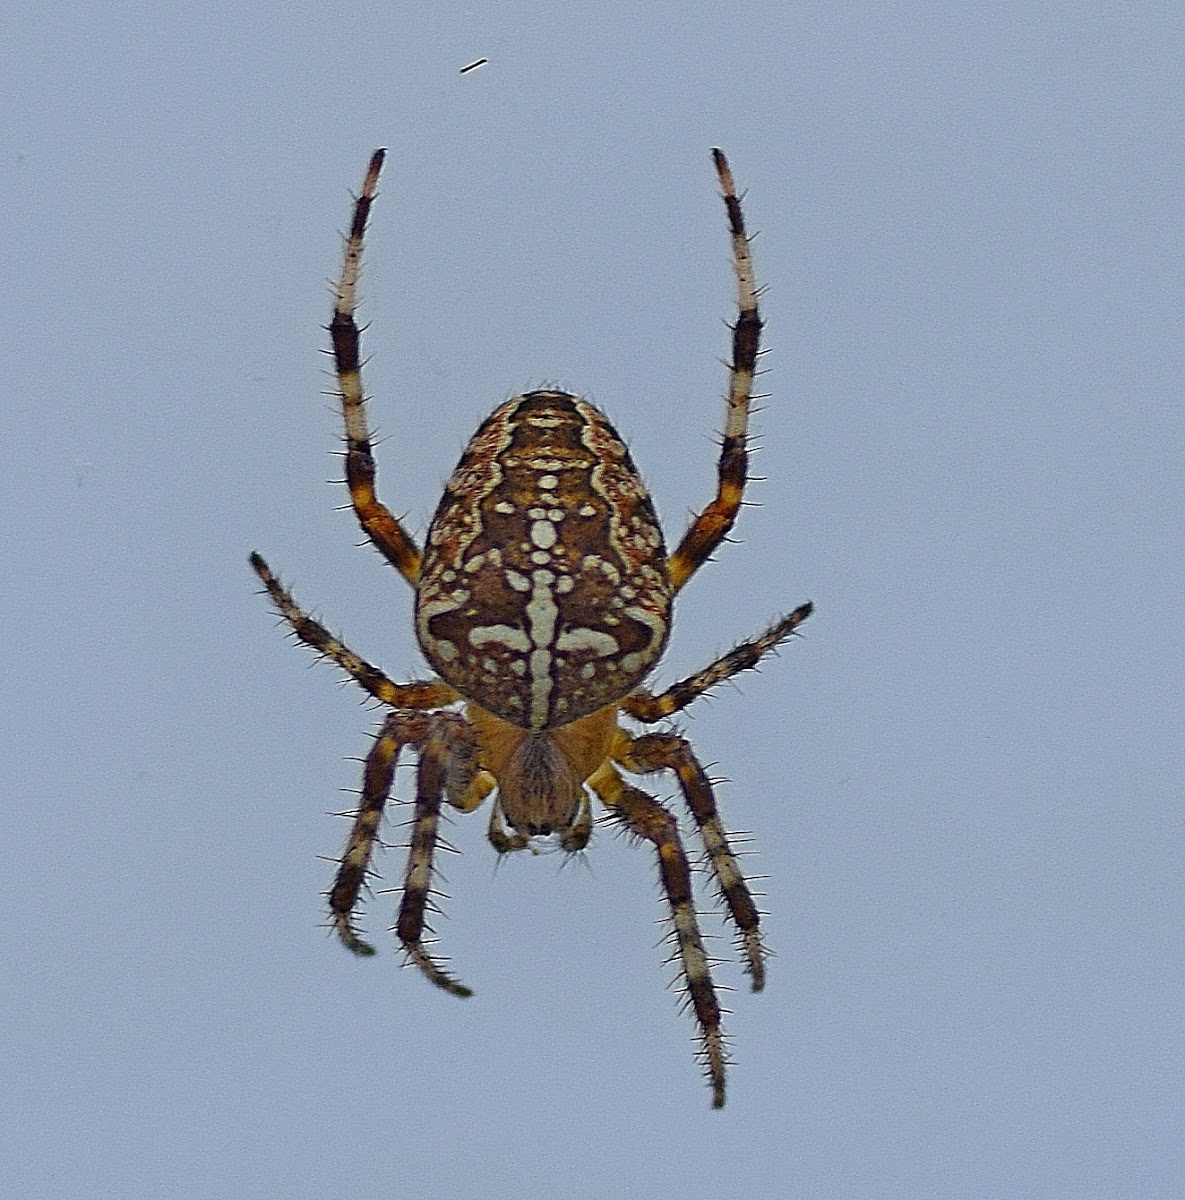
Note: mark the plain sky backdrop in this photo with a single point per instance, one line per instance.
(963, 783)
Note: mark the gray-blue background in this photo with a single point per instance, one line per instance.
(963, 783)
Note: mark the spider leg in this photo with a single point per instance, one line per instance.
(645, 818)
(379, 525)
(445, 745)
(645, 707)
(355, 863)
(446, 753)
(712, 525)
(432, 693)
(666, 752)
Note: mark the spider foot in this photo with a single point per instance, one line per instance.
(714, 1058)
(434, 971)
(755, 955)
(344, 928)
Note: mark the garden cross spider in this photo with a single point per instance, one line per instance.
(543, 598)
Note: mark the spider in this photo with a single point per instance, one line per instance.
(543, 599)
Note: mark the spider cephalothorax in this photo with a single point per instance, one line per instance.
(543, 599)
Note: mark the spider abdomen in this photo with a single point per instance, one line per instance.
(543, 593)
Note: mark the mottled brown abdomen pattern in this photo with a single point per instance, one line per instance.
(544, 593)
